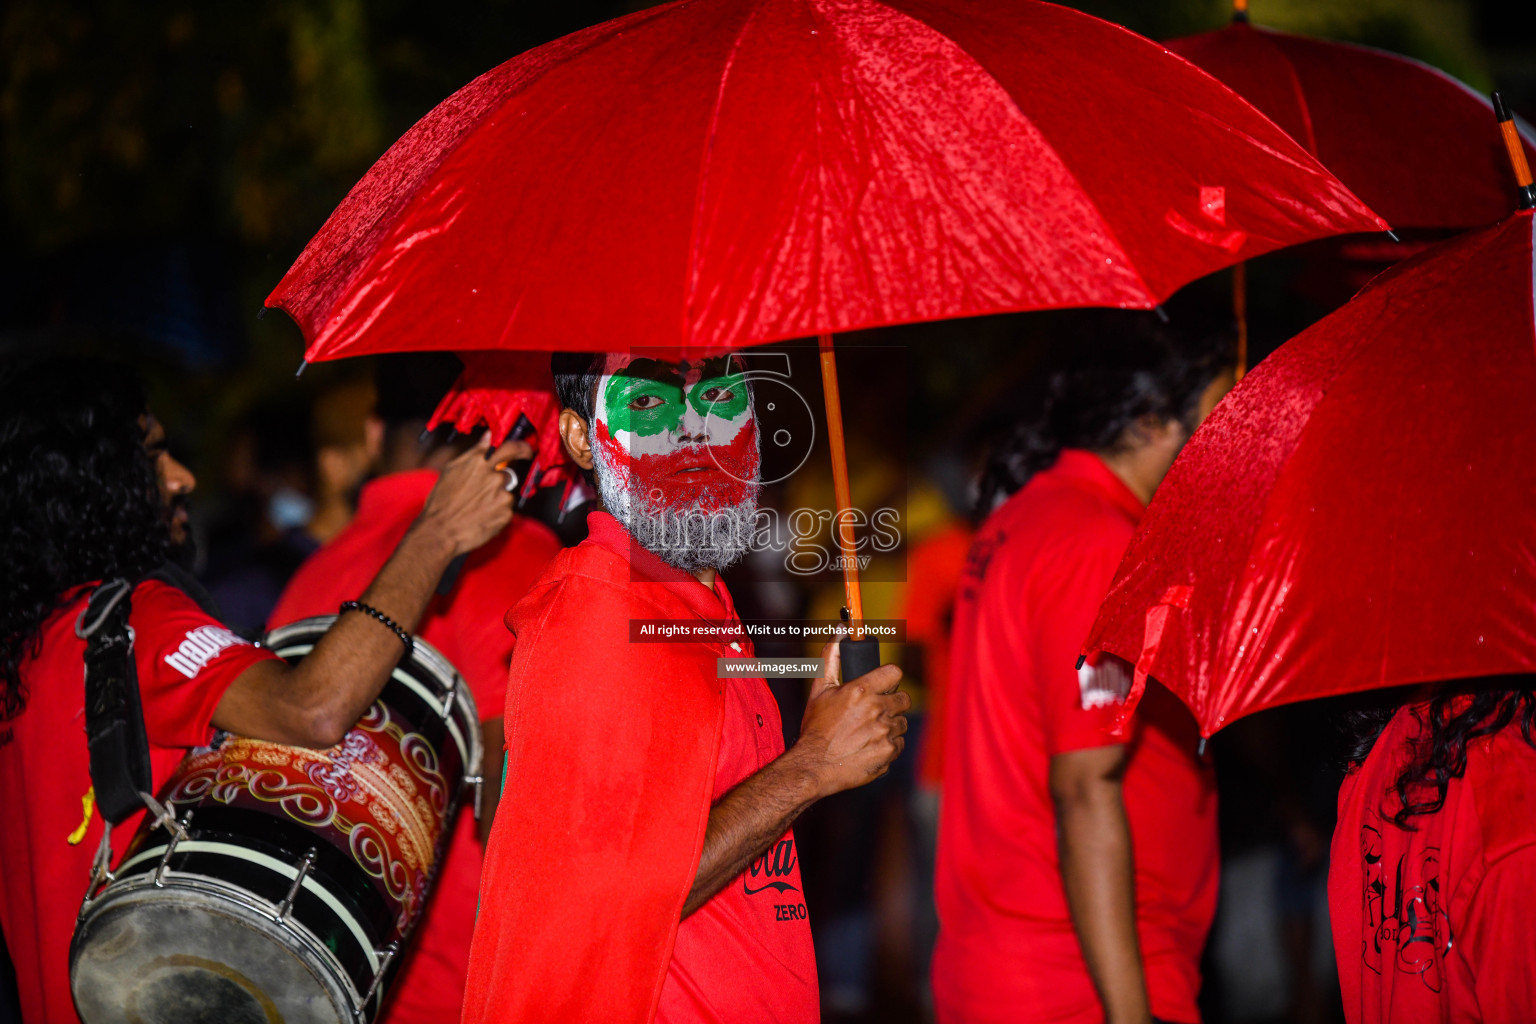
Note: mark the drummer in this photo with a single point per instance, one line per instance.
(647, 869)
(466, 626)
(90, 494)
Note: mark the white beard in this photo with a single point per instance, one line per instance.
(686, 538)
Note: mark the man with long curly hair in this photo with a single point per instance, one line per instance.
(91, 494)
(1434, 859)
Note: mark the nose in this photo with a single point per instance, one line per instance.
(177, 479)
(694, 428)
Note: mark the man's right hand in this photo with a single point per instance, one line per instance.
(852, 731)
(470, 503)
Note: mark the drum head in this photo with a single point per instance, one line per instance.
(179, 956)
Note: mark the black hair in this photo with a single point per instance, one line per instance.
(1456, 715)
(576, 375)
(1119, 369)
(410, 385)
(81, 501)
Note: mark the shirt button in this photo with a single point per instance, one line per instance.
(759, 720)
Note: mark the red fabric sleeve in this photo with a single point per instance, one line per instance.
(186, 660)
(1496, 940)
(1065, 596)
(610, 769)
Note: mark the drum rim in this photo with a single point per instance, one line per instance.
(252, 911)
(284, 641)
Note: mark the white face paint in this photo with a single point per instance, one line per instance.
(677, 458)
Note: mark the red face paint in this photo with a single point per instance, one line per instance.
(702, 477)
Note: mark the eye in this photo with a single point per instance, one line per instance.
(643, 402)
(718, 394)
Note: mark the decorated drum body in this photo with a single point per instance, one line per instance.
(296, 875)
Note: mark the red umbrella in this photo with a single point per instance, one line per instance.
(705, 175)
(1407, 138)
(1360, 512)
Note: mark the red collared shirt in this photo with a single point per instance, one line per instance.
(746, 955)
(1037, 572)
(616, 752)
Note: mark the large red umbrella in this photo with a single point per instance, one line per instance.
(1360, 512)
(717, 173)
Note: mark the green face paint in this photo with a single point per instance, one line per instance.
(642, 405)
(724, 397)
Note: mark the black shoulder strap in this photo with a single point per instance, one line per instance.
(114, 717)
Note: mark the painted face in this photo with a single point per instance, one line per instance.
(679, 436)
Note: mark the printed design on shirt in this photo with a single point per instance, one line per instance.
(378, 796)
(1106, 683)
(201, 646)
(1404, 920)
(772, 870)
(977, 559)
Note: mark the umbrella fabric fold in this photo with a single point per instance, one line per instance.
(1357, 513)
(711, 174)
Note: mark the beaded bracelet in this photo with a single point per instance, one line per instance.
(358, 606)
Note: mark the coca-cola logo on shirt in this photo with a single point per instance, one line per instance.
(769, 871)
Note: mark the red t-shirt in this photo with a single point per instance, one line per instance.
(1007, 950)
(747, 954)
(467, 626)
(1431, 925)
(186, 660)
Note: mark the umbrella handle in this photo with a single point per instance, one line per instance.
(843, 527)
(1517, 159)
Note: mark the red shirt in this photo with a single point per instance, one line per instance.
(186, 660)
(467, 627)
(618, 749)
(1007, 950)
(1398, 899)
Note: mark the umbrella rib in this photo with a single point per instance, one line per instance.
(690, 271)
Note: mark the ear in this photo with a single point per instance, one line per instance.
(373, 438)
(574, 435)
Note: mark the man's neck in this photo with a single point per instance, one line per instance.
(706, 577)
(1132, 469)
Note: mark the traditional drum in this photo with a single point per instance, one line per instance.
(279, 884)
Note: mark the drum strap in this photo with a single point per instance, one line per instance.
(114, 718)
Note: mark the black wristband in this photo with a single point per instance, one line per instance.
(367, 609)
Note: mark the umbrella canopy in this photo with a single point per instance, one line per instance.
(1407, 138)
(722, 172)
(1358, 512)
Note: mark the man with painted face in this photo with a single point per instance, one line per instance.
(642, 866)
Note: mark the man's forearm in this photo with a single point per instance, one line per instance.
(749, 819)
(1097, 869)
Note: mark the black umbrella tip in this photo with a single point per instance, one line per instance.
(1393, 235)
(1500, 111)
(1080, 659)
(303, 363)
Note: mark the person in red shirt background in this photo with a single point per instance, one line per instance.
(92, 494)
(1434, 858)
(466, 625)
(1077, 860)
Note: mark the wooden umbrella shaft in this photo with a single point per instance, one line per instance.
(842, 493)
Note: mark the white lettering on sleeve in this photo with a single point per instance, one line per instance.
(201, 646)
